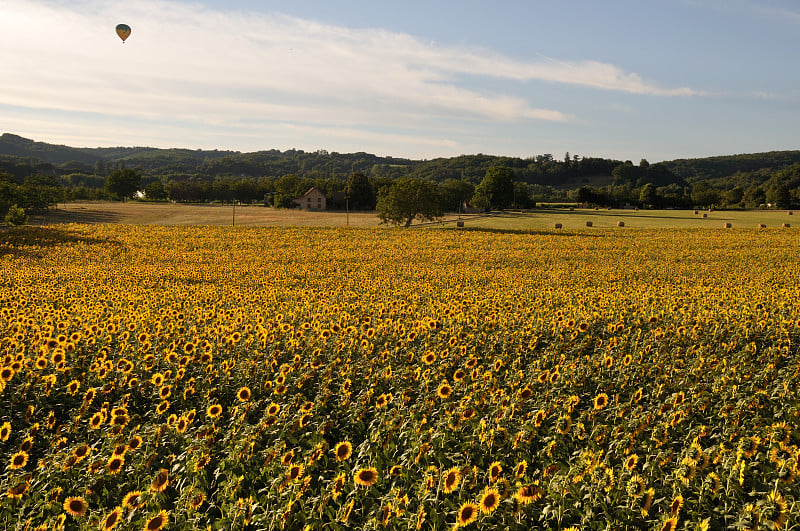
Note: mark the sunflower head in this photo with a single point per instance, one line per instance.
(366, 477)
(467, 513)
(529, 494)
(244, 394)
(495, 469)
(157, 522)
(489, 501)
(451, 479)
(161, 481)
(75, 506)
(112, 519)
(600, 401)
(343, 450)
(444, 390)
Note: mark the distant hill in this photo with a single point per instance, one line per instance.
(729, 165)
(569, 173)
(54, 154)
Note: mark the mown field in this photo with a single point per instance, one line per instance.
(139, 213)
(293, 378)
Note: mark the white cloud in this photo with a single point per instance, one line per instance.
(186, 63)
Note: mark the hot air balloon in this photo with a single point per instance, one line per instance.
(124, 31)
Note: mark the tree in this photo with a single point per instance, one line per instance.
(704, 195)
(360, 192)
(754, 197)
(123, 183)
(733, 196)
(16, 216)
(155, 191)
(778, 195)
(496, 190)
(648, 195)
(408, 199)
(455, 193)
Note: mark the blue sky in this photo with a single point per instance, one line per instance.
(419, 79)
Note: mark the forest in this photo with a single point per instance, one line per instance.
(35, 174)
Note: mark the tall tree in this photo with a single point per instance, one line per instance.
(122, 184)
(409, 198)
(360, 192)
(455, 193)
(496, 190)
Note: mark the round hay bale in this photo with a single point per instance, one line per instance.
(636, 209)
(790, 212)
(620, 223)
(696, 212)
(459, 223)
(588, 223)
(705, 215)
(728, 225)
(558, 225)
(762, 226)
(572, 209)
(785, 225)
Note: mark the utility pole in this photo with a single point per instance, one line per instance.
(347, 209)
(234, 213)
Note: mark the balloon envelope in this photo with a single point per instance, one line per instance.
(124, 31)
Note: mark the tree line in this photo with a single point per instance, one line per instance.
(36, 175)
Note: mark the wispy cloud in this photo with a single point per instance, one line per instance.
(220, 69)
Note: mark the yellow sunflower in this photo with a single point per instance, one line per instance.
(5, 431)
(115, 464)
(495, 469)
(17, 491)
(366, 477)
(197, 501)
(343, 450)
(244, 394)
(112, 519)
(157, 522)
(467, 513)
(451, 479)
(774, 510)
(669, 525)
(18, 460)
(338, 485)
(214, 411)
(600, 401)
(529, 494)
(675, 506)
(521, 469)
(490, 500)
(161, 481)
(75, 506)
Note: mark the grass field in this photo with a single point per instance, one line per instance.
(215, 215)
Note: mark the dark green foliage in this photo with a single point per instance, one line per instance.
(213, 175)
(360, 192)
(155, 191)
(123, 184)
(456, 194)
(408, 199)
(496, 190)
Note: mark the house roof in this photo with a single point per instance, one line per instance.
(310, 190)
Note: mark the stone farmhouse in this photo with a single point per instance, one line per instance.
(313, 199)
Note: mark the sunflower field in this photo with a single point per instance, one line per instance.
(328, 379)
